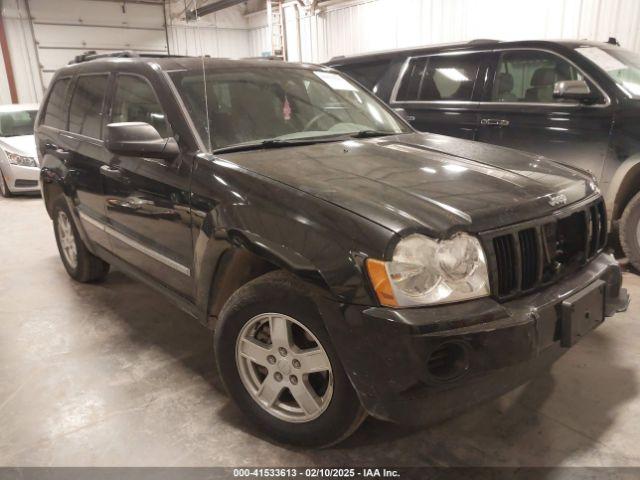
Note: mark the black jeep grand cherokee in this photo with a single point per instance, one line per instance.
(349, 265)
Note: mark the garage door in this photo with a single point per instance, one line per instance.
(75, 26)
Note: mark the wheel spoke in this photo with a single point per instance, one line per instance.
(313, 360)
(269, 391)
(280, 332)
(253, 351)
(306, 397)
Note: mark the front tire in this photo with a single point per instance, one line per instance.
(80, 263)
(4, 188)
(629, 231)
(279, 366)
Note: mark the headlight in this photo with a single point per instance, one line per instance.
(21, 160)
(426, 272)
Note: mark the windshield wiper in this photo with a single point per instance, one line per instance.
(371, 134)
(270, 143)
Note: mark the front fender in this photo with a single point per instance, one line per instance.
(247, 224)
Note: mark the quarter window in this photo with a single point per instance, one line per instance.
(437, 78)
(368, 74)
(530, 76)
(135, 101)
(56, 111)
(85, 115)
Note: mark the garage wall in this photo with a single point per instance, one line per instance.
(343, 28)
(75, 26)
(221, 34)
(62, 29)
(23, 54)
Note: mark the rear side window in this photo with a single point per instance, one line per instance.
(446, 77)
(85, 116)
(368, 74)
(135, 101)
(56, 111)
(412, 79)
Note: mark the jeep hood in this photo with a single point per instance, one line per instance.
(426, 181)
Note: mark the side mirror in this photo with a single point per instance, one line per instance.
(574, 90)
(139, 139)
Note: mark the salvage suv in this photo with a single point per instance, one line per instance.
(348, 264)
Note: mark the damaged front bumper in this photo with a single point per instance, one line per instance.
(421, 365)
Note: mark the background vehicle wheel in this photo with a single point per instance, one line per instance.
(4, 188)
(629, 227)
(279, 366)
(81, 265)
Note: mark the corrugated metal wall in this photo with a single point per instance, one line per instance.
(369, 25)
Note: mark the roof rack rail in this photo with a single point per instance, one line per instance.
(93, 55)
(482, 40)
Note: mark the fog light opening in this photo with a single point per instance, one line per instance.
(448, 361)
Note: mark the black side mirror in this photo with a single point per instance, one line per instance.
(139, 139)
(574, 90)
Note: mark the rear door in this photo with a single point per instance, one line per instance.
(519, 111)
(440, 93)
(72, 132)
(148, 199)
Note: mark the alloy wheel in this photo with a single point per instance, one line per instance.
(67, 240)
(284, 367)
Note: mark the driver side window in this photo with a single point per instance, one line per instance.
(135, 101)
(530, 76)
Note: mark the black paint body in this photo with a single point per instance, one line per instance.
(319, 211)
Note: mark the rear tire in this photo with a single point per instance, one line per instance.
(4, 188)
(80, 263)
(254, 315)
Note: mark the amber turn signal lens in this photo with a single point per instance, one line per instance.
(380, 281)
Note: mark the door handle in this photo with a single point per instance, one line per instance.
(495, 122)
(62, 154)
(111, 172)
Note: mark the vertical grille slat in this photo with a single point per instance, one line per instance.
(540, 253)
(529, 252)
(603, 225)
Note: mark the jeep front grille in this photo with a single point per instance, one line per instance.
(534, 254)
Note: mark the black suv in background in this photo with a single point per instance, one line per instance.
(348, 264)
(575, 102)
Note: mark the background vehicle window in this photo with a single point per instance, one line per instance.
(410, 86)
(135, 101)
(368, 74)
(440, 78)
(529, 76)
(56, 111)
(450, 78)
(85, 115)
(16, 124)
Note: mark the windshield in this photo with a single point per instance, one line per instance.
(252, 104)
(14, 124)
(623, 66)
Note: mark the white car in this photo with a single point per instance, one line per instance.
(19, 169)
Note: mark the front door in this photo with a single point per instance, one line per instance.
(439, 93)
(519, 111)
(148, 199)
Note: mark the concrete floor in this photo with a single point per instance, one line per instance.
(113, 375)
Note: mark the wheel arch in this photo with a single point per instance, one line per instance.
(624, 185)
(245, 257)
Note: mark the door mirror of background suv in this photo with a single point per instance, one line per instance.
(574, 90)
(139, 139)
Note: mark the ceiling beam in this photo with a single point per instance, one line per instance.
(211, 8)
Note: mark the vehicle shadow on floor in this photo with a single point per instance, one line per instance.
(152, 321)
